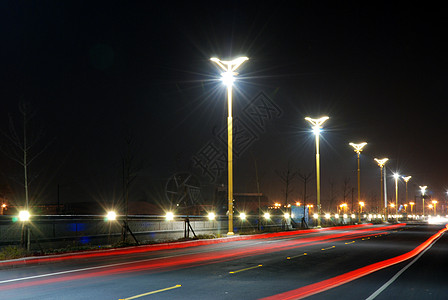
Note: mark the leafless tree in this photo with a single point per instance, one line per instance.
(287, 176)
(22, 146)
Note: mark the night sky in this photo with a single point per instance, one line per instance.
(96, 73)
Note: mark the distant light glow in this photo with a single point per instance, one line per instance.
(211, 216)
(24, 215)
(423, 189)
(169, 216)
(111, 216)
(243, 216)
(267, 216)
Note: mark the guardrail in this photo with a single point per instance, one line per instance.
(57, 231)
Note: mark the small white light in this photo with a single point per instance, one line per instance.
(24, 215)
(169, 216)
(211, 216)
(111, 216)
(267, 216)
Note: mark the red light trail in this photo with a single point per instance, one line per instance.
(322, 286)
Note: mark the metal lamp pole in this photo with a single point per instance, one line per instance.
(381, 163)
(396, 176)
(228, 77)
(317, 125)
(423, 189)
(358, 150)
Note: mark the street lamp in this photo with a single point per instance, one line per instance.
(358, 150)
(412, 205)
(434, 202)
(396, 176)
(228, 77)
(317, 125)
(381, 163)
(406, 179)
(422, 190)
(24, 217)
(361, 205)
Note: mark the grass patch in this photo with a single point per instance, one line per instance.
(12, 252)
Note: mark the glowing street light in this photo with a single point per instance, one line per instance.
(406, 179)
(228, 77)
(111, 216)
(423, 190)
(211, 216)
(243, 216)
(434, 202)
(24, 216)
(396, 176)
(169, 216)
(412, 205)
(317, 125)
(358, 149)
(381, 163)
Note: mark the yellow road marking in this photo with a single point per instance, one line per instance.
(350, 242)
(291, 257)
(250, 268)
(153, 292)
(366, 239)
(328, 248)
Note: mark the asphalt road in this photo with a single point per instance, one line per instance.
(276, 266)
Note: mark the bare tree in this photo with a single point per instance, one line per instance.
(287, 176)
(22, 147)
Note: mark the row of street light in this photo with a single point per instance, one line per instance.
(228, 78)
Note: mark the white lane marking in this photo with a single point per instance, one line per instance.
(387, 284)
(96, 267)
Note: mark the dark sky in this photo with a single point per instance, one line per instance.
(97, 72)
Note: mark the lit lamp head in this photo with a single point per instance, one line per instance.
(381, 162)
(358, 147)
(406, 178)
(423, 189)
(396, 176)
(317, 123)
(228, 77)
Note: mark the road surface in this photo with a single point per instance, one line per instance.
(353, 262)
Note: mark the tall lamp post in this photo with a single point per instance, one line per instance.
(406, 179)
(358, 150)
(396, 176)
(422, 190)
(317, 125)
(434, 203)
(381, 163)
(228, 77)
